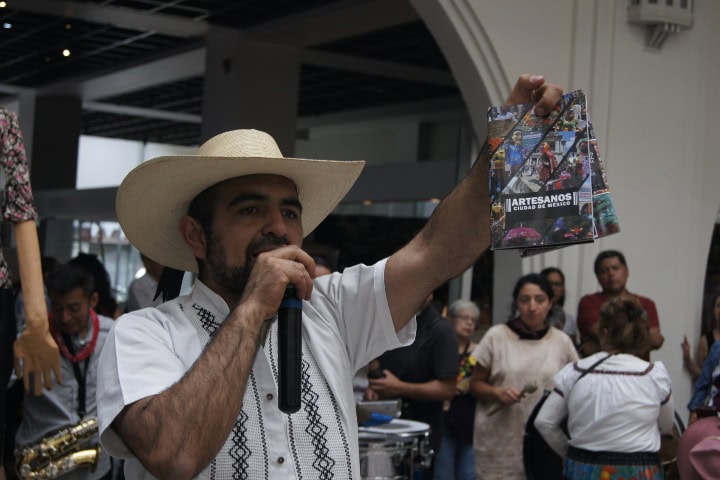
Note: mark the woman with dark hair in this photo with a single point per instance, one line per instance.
(515, 362)
(709, 334)
(617, 411)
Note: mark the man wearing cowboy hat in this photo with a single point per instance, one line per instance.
(190, 388)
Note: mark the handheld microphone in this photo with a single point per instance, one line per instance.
(289, 351)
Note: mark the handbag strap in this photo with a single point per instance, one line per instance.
(591, 368)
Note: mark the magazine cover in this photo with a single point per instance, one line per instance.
(543, 177)
(604, 216)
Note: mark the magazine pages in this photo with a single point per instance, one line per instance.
(548, 187)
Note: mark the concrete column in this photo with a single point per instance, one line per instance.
(55, 137)
(250, 84)
(56, 238)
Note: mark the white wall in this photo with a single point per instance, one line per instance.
(656, 121)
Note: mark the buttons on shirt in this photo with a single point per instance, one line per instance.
(269, 396)
(281, 460)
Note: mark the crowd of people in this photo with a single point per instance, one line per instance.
(613, 424)
(187, 386)
(474, 391)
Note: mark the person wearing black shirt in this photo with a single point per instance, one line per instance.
(422, 374)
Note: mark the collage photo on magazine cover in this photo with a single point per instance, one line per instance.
(547, 184)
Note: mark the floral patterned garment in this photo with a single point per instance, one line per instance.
(467, 363)
(18, 205)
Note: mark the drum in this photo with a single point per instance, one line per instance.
(395, 450)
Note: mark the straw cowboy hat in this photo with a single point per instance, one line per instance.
(156, 194)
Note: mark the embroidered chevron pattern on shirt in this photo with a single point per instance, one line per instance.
(239, 451)
(343, 435)
(261, 424)
(207, 319)
(213, 469)
(316, 429)
(316, 434)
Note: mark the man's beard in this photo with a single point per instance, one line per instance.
(230, 277)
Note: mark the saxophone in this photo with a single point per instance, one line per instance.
(59, 453)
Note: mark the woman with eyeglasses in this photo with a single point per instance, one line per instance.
(455, 460)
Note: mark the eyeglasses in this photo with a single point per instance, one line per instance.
(465, 318)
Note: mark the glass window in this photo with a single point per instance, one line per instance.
(107, 241)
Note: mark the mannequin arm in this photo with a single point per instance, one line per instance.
(35, 346)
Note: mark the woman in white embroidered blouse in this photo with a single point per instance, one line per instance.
(617, 412)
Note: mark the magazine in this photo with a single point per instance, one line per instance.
(548, 187)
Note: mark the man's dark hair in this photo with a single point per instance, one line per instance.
(202, 209)
(68, 277)
(608, 254)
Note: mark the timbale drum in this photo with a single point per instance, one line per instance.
(395, 450)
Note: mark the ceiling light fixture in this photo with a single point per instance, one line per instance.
(66, 53)
(3, 4)
(7, 26)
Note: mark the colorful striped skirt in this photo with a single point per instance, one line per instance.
(586, 465)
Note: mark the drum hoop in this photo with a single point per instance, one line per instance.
(398, 427)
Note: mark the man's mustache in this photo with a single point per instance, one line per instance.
(271, 241)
